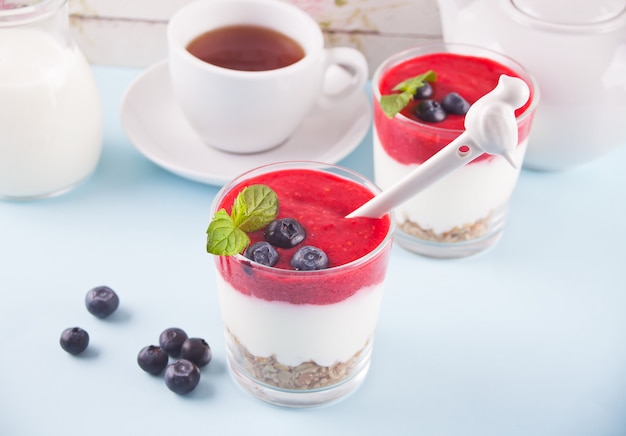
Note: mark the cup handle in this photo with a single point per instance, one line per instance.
(345, 75)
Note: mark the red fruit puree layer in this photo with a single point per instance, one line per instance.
(320, 202)
(410, 142)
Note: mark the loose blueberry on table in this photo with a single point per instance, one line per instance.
(182, 376)
(101, 301)
(152, 359)
(74, 340)
(196, 350)
(171, 340)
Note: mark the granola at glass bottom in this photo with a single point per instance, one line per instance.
(457, 234)
(307, 375)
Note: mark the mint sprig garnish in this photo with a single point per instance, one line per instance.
(391, 104)
(254, 208)
(224, 238)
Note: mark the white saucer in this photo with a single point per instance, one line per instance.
(156, 127)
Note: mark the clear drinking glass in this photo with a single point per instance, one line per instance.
(304, 338)
(463, 213)
(50, 114)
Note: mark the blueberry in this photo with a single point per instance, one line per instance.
(453, 103)
(285, 233)
(152, 359)
(431, 111)
(309, 258)
(182, 376)
(424, 91)
(74, 340)
(196, 350)
(101, 301)
(263, 253)
(171, 340)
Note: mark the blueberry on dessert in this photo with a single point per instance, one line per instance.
(262, 252)
(431, 111)
(285, 233)
(424, 91)
(309, 258)
(453, 103)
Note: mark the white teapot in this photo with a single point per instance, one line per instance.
(576, 49)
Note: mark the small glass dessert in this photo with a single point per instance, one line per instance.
(300, 303)
(464, 212)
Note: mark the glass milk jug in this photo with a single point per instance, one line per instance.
(50, 113)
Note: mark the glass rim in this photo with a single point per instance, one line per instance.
(308, 165)
(464, 50)
(27, 11)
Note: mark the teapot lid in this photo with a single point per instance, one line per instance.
(570, 13)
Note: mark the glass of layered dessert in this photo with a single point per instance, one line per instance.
(464, 212)
(300, 285)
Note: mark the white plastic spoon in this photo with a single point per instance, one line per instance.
(490, 127)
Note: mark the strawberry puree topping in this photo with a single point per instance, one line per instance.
(410, 140)
(319, 201)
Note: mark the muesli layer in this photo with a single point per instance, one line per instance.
(304, 376)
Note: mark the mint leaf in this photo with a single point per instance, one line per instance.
(411, 85)
(254, 208)
(392, 104)
(224, 238)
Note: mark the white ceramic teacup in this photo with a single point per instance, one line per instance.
(252, 111)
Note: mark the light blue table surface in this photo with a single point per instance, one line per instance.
(528, 338)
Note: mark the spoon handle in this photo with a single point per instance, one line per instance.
(454, 155)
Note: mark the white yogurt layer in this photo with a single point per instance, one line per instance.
(297, 333)
(462, 197)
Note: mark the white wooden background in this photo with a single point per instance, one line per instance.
(132, 32)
